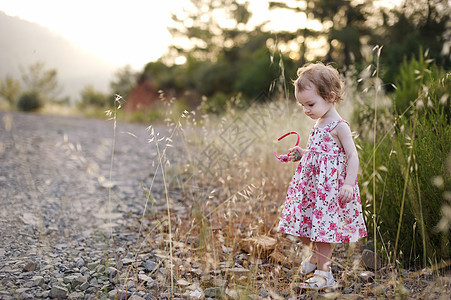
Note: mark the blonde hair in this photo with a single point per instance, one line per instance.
(325, 78)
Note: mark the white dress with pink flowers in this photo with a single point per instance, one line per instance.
(312, 208)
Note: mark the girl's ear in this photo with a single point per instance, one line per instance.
(332, 96)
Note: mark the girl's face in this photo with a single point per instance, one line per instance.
(314, 105)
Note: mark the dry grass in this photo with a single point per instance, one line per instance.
(224, 191)
(228, 188)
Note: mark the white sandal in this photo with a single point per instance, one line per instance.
(307, 267)
(313, 284)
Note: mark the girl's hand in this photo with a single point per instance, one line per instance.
(292, 151)
(346, 193)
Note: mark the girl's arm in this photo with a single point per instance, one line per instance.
(346, 192)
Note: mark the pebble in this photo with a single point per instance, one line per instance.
(118, 294)
(127, 261)
(84, 286)
(58, 292)
(80, 263)
(30, 266)
(145, 278)
(112, 272)
(92, 265)
(196, 294)
(367, 276)
(263, 293)
(76, 296)
(37, 281)
(22, 290)
(25, 295)
(136, 297)
(69, 279)
(151, 266)
(214, 292)
(368, 259)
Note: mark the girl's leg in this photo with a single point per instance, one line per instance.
(324, 255)
(309, 243)
(305, 241)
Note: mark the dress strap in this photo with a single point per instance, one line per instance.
(334, 124)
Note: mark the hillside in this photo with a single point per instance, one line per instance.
(23, 43)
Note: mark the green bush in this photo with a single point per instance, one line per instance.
(414, 73)
(217, 104)
(90, 97)
(29, 101)
(408, 160)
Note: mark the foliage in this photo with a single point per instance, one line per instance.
(251, 81)
(10, 90)
(210, 26)
(216, 104)
(140, 116)
(345, 22)
(124, 81)
(235, 57)
(232, 58)
(408, 159)
(162, 75)
(29, 101)
(211, 78)
(41, 82)
(412, 72)
(412, 26)
(90, 97)
(248, 71)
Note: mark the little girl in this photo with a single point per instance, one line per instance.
(323, 205)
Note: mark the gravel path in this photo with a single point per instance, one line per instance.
(54, 194)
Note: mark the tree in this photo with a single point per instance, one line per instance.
(347, 19)
(258, 70)
(124, 82)
(343, 22)
(163, 76)
(209, 27)
(10, 90)
(41, 82)
(91, 97)
(414, 25)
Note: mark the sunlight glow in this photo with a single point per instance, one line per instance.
(121, 32)
(135, 32)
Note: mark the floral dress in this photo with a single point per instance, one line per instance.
(312, 208)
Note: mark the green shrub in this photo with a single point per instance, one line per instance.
(414, 73)
(90, 97)
(422, 200)
(142, 116)
(217, 104)
(29, 101)
(408, 160)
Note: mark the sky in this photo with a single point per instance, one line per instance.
(121, 32)
(132, 32)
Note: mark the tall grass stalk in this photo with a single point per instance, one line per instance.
(163, 172)
(113, 116)
(377, 87)
(422, 226)
(406, 182)
(162, 162)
